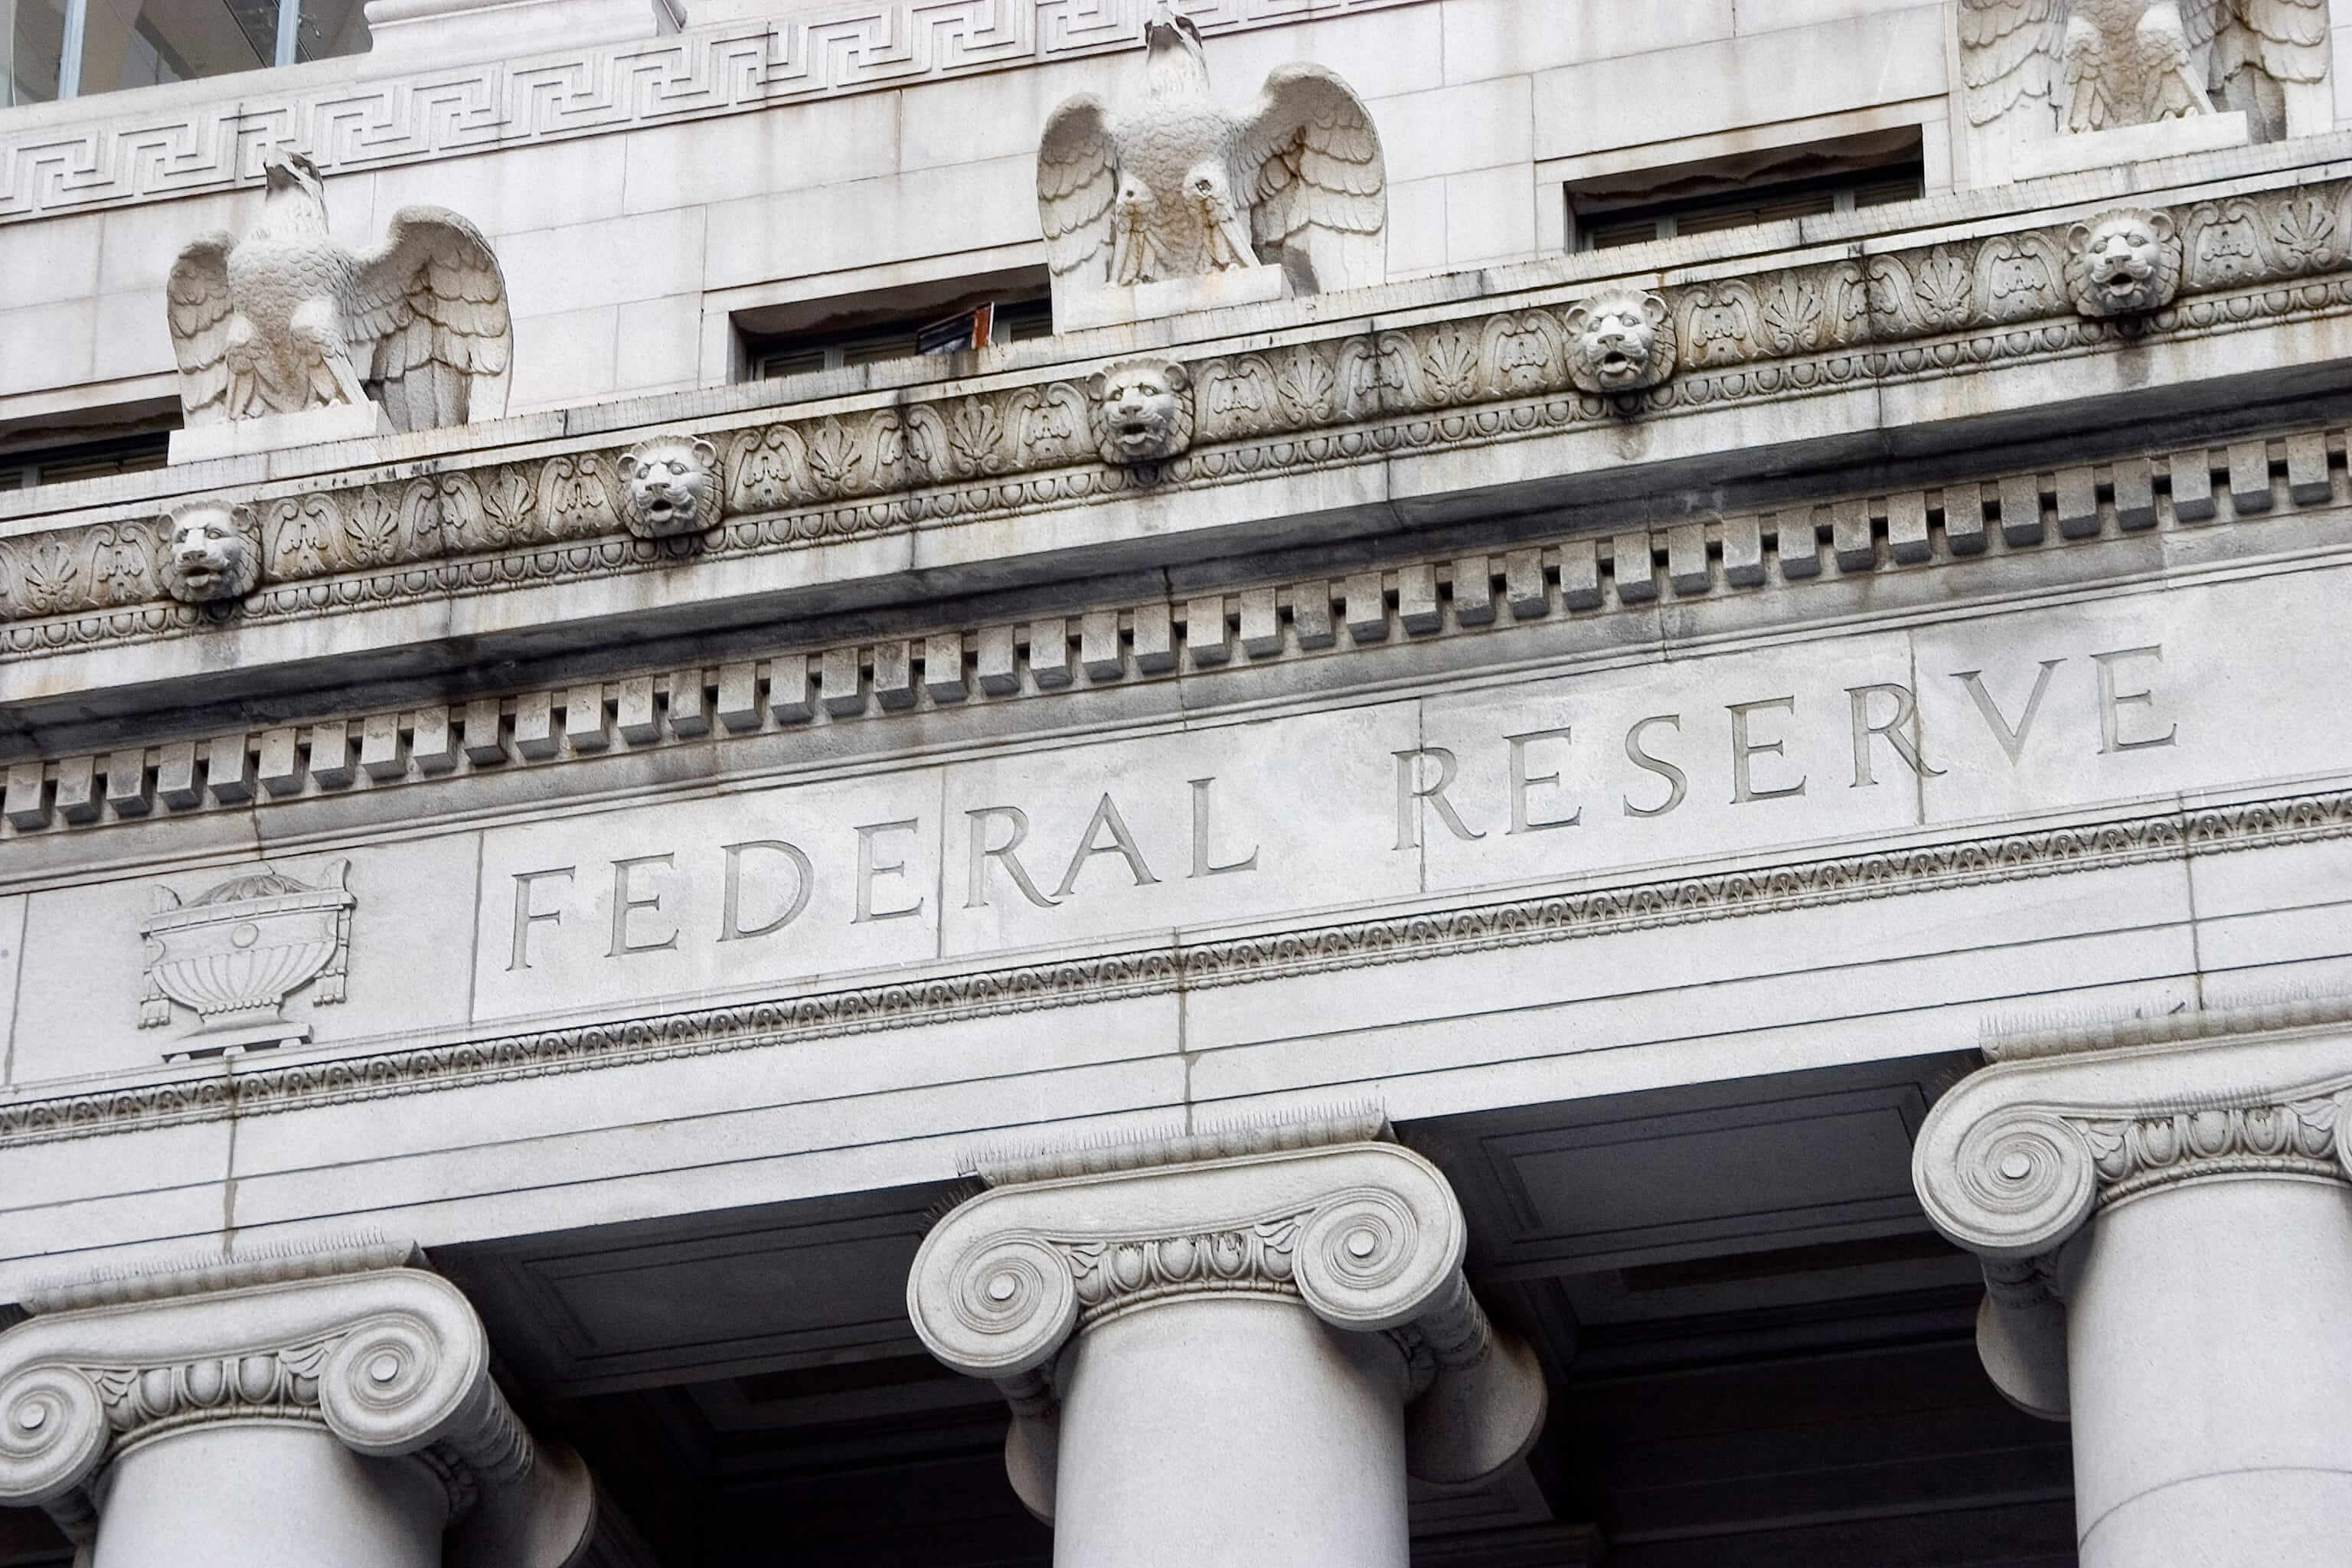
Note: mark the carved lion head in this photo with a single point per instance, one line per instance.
(1142, 411)
(2123, 263)
(669, 486)
(1620, 341)
(208, 552)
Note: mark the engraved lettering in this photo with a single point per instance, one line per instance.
(625, 899)
(1122, 843)
(1743, 788)
(1521, 781)
(525, 916)
(1204, 861)
(1677, 784)
(1897, 732)
(731, 910)
(868, 868)
(2013, 741)
(1410, 794)
(976, 884)
(2112, 702)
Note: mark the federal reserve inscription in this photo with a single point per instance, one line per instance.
(1293, 815)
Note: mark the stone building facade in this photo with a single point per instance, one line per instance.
(1310, 782)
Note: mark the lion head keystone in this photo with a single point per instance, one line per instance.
(209, 554)
(1620, 341)
(669, 486)
(2123, 263)
(1142, 411)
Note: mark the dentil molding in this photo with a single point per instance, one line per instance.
(1365, 1234)
(390, 1359)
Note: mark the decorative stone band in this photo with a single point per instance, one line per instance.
(953, 667)
(2019, 1157)
(1490, 372)
(1365, 1234)
(392, 1361)
(822, 48)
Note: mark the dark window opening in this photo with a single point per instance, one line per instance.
(951, 315)
(1844, 175)
(98, 444)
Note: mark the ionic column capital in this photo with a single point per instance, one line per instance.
(391, 1360)
(1364, 1234)
(2018, 1157)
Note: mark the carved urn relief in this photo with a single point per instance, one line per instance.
(237, 952)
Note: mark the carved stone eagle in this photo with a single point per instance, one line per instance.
(1176, 186)
(2100, 64)
(286, 318)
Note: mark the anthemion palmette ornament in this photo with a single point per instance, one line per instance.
(285, 319)
(234, 955)
(1176, 186)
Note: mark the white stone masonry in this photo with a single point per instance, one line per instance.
(1228, 1350)
(279, 1414)
(2167, 1231)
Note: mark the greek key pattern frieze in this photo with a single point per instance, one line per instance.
(849, 46)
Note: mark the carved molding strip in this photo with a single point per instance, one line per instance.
(850, 47)
(974, 664)
(1478, 380)
(2119, 841)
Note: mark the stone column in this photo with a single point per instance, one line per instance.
(334, 1409)
(1227, 1349)
(2167, 1232)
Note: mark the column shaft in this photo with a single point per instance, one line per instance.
(252, 1494)
(2210, 1356)
(1243, 1432)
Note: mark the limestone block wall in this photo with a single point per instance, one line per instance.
(640, 193)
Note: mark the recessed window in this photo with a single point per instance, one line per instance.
(67, 48)
(943, 317)
(1844, 175)
(55, 456)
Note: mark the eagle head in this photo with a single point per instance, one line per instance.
(284, 169)
(1173, 58)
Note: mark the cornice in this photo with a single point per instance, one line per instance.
(204, 136)
(978, 663)
(263, 1087)
(1306, 400)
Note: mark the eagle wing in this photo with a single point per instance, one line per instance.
(1077, 176)
(2288, 39)
(1309, 164)
(197, 301)
(428, 309)
(2006, 51)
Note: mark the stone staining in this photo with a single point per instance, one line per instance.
(209, 554)
(2099, 65)
(234, 955)
(1141, 412)
(1177, 186)
(670, 486)
(285, 319)
(1620, 341)
(2123, 263)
